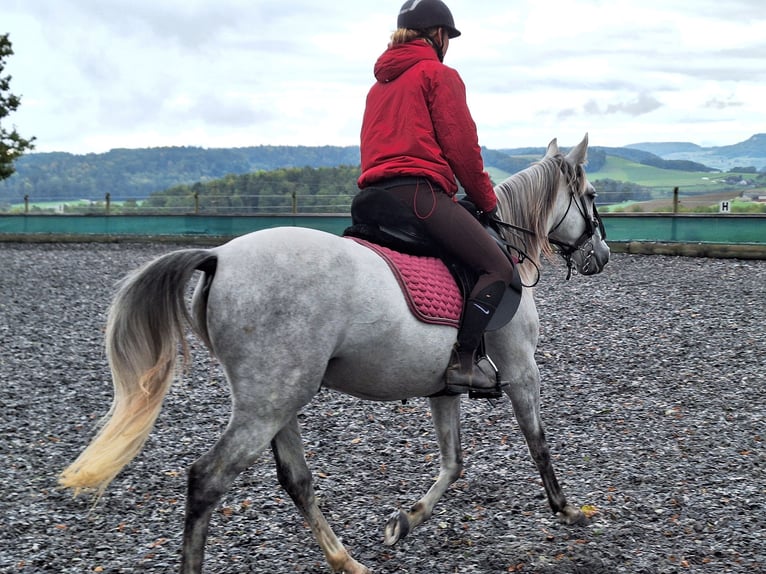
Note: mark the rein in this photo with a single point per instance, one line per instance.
(523, 255)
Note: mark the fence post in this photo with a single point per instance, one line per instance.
(674, 230)
(196, 203)
(108, 199)
(26, 204)
(295, 203)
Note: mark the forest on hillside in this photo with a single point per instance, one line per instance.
(291, 190)
(135, 174)
(293, 179)
(304, 190)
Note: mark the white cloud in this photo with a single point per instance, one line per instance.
(95, 75)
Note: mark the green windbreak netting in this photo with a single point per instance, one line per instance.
(624, 227)
(213, 226)
(687, 229)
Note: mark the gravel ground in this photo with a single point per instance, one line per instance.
(653, 398)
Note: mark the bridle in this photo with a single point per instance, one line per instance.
(584, 243)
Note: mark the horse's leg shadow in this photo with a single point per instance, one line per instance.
(445, 411)
(295, 477)
(525, 398)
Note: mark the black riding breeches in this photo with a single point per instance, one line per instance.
(454, 228)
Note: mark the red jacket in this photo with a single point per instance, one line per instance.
(417, 123)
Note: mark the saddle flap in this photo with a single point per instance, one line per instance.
(508, 304)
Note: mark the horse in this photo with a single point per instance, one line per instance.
(289, 311)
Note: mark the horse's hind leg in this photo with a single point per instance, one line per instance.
(295, 477)
(525, 397)
(212, 475)
(445, 411)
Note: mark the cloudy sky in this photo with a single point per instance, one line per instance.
(101, 74)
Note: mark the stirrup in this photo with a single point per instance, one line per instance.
(488, 367)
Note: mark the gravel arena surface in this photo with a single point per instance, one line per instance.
(653, 398)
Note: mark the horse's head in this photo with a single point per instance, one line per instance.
(574, 225)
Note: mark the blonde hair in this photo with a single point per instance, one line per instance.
(404, 35)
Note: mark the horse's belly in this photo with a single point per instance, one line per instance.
(393, 368)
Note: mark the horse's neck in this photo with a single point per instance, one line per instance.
(527, 199)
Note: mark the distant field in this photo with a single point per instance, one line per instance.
(662, 180)
(620, 169)
(697, 189)
(685, 203)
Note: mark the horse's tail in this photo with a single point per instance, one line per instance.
(146, 321)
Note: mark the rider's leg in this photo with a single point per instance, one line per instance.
(463, 374)
(465, 238)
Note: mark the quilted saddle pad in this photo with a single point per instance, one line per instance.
(429, 288)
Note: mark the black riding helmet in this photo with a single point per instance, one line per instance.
(424, 14)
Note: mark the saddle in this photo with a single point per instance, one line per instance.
(381, 223)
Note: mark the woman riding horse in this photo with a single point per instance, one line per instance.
(417, 137)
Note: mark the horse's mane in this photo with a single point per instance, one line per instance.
(527, 198)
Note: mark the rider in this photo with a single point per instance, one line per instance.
(417, 137)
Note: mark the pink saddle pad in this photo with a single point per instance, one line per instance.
(429, 288)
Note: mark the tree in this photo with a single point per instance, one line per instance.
(12, 145)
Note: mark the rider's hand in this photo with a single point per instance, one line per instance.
(488, 216)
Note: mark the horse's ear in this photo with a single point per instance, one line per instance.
(578, 155)
(553, 148)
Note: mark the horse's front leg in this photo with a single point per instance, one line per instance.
(525, 397)
(295, 477)
(445, 411)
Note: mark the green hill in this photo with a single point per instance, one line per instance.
(621, 169)
(623, 181)
(135, 174)
(319, 190)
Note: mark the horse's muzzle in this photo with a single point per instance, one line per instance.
(592, 256)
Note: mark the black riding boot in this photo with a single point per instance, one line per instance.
(463, 374)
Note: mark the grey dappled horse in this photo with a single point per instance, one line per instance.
(288, 311)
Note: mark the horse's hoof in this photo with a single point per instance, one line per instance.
(356, 568)
(397, 527)
(571, 515)
(344, 564)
